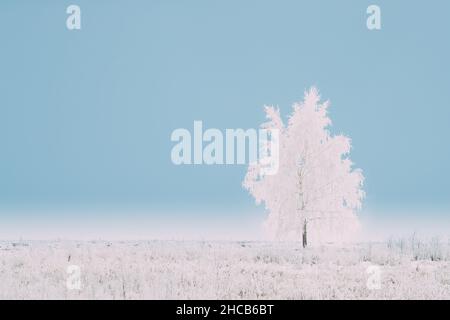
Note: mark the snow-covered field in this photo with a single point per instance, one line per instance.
(403, 269)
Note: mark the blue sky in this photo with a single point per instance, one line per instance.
(86, 116)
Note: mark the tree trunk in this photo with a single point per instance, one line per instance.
(305, 235)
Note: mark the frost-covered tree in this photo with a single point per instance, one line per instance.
(316, 192)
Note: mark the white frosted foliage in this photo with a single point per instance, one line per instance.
(316, 183)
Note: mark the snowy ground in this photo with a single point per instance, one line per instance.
(404, 269)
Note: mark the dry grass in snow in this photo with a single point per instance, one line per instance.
(404, 269)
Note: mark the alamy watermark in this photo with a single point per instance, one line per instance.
(73, 21)
(374, 280)
(73, 280)
(235, 146)
(374, 19)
